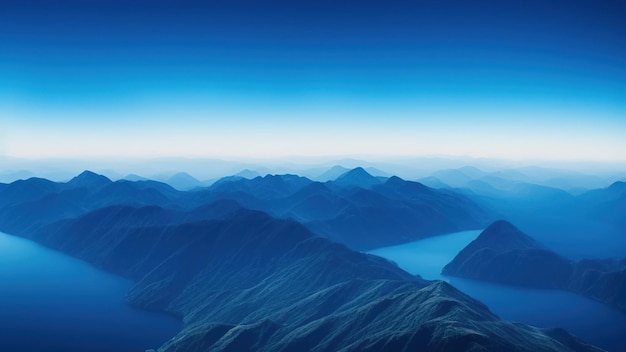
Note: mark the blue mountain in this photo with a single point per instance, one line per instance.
(356, 177)
(504, 254)
(244, 281)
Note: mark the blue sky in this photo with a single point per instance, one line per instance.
(514, 79)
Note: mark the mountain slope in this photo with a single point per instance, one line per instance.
(394, 212)
(505, 255)
(356, 177)
(245, 281)
(332, 173)
(89, 180)
(183, 181)
(378, 215)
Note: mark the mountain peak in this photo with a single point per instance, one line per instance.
(183, 181)
(504, 254)
(618, 186)
(89, 179)
(499, 237)
(503, 234)
(395, 180)
(332, 174)
(247, 173)
(357, 177)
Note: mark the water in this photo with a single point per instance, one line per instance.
(594, 322)
(428, 256)
(52, 302)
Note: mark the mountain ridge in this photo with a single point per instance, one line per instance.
(505, 255)
(256, 272)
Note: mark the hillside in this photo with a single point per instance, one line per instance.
(245, 281)
(504, 254)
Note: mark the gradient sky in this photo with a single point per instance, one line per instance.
(506, 79)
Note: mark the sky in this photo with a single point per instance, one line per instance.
(263, 79)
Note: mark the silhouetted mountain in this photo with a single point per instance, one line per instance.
(30, 203)
(453, 177)
(332, 173)
(182, 181)
(314, 202)
(247, 173)
(244, 281)
(88, 179)
(267, 187)
(587, 225)
(433, 182)
(12, 176)
(356, 177)
(133, 178)
(503, 254)
(391, 213)
(395, 212)
(27, 190)
(607, 204)
(214, 183)
(377, 172)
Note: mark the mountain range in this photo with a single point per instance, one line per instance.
(244, 280)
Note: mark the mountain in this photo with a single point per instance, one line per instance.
(377, 172)
(89, 180)
(392, 212)
(588, 225)
(27, 204)
(504, 254)
(247, 173)
(11, 176)
(607, 204)
(332, 173)
(453, 177)
(356, 177)
(267, 187)
(134, 177)
(433, 182)
(244, 281)
(182, 181)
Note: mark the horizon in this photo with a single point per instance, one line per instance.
(138, 79)
(201, 172)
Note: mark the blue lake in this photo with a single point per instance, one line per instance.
(52, 302)
(592, 321)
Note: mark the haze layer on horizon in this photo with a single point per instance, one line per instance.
(146, 79)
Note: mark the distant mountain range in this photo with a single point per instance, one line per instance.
(244, 280)
(504, 254)
(582, 225)
(357, 209)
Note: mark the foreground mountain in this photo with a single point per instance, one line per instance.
(244, 281)
(504, 254)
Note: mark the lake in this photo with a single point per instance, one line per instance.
(52, 302)
(593, 321)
